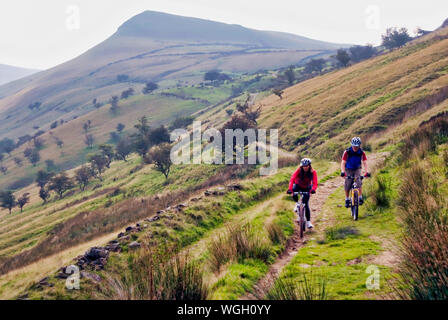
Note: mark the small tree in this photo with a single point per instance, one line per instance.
(127, 93)
(395, 38)
(159, 135)
(27, 152)
(49, 163)
(107, 151)
(98, 165)
(290, 75)
(160, 157)
(89, 140)
(43, 177)
(343, 57)
(7, 145)
(59, 143)
(7, 200)
(114, 104)
(122, 77)
(278, 93)
(44, 194)
(141, 139)
(96, 103)
(23, 139)
(359, 53)
(250, 113)
(120, 127)
(82, 176)
(123, 149)
(150, 87)
(60, 184)
(3, 170)
(213, 75)
(18, 161)
(38, 142)
(181, 122)
(314, 65)
(114, 136)
(34, 157)
(86, 127)
(23, 200)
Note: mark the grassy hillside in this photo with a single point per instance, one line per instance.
(149, 47)
(380, 97)
(239, 235)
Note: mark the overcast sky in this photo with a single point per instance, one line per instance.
(41, 34)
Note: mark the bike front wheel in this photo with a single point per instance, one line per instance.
(302, 222)
(355, 205)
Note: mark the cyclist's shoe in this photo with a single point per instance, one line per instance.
(347, 203)
(296, 208)
(361, 201)
(309, 225)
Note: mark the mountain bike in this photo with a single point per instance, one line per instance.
(301, 211)
(354, 196)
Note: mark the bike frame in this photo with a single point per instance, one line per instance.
(354, 195)
(301, 212)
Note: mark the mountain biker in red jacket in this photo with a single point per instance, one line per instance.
(304, 179)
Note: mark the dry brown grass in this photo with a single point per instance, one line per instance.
(156, 274)
(387, 92)
(237, 243)
(424, 267)
(88, 225)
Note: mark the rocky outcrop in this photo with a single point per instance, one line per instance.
(94, 258)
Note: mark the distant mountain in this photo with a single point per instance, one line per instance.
(151, 46)
(11, 73)
(162, 26)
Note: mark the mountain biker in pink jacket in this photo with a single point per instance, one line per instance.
(304, 179)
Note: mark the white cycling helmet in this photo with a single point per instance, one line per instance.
(305, 162)
(356, 141)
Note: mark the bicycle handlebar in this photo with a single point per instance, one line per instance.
(352, 177)
(301, 192)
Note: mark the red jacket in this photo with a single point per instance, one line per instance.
(305, 183)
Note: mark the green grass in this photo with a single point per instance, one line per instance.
(342, 255)
(239, 279)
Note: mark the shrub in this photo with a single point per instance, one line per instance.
(310, 287)
(276, 234)
(424, 267)
(157, 274)
(236, 244)
(381, 193)
(339, 233)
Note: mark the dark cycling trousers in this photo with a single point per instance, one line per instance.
(306, 199)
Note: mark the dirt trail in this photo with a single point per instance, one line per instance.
(295, 243)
